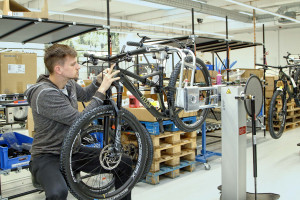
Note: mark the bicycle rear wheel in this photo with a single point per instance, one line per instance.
(297, 81)
(202, 79)
(277, 114)
(91, 176)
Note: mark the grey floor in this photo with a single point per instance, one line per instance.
(278, 172)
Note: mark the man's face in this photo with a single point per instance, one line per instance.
(71, 68)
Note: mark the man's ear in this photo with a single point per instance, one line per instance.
(57, 69)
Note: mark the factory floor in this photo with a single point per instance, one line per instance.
(278, 172)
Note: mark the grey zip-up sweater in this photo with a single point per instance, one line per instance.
(54, 112)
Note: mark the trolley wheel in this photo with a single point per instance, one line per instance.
(207, 166)
(23, 125)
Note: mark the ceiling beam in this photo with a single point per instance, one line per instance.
(205, 9)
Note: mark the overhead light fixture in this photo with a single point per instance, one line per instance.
(149, 35)
(148, 4)
(128, 21)
(262, 10)
(219, 18)
(245, 13)
(200, 1)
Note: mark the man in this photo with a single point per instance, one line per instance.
(53, 100)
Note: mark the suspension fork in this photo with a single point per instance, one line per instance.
(117, 124)
(118, 116)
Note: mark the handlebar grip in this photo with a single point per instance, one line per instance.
(135, 44)
(138, 51)
(260, 64)
(87, 55)
(285, 57)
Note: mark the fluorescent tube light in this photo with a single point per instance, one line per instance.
(245, 13)
(129, 21)
(148, 4)
(205, 2)
(262, 10)
(219, 18)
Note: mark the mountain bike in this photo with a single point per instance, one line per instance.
(122, 134)
(282, 95)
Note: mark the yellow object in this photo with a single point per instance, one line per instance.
(154, 103)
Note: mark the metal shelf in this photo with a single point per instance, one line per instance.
(42, 31)
(207, 44)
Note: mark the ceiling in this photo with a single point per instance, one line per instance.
(173, 17)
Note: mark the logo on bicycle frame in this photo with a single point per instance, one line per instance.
(148, 104)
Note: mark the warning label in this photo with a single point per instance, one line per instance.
(242, 130)
(228, 92)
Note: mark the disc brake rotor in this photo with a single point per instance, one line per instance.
(109, 160)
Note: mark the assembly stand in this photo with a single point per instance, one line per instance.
(204, 153)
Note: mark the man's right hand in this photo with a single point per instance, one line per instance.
(108, 78)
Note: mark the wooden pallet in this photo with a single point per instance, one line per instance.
(172, 160)
(172, 144)
(172, 172)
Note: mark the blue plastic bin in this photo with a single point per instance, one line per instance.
(20, 161)
(210, 67)
(99, 137)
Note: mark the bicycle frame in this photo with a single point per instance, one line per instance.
(124, 74)
(284, 78)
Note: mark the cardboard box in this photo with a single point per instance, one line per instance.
(17, 71)
(270, 82)
(12, 8)
(199, 77)
(30, 123)
(142, 114)
(87, 82)
(258, 72)
(269, 93)
(80, 105)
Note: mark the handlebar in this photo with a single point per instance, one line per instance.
(118, 56)
(276, 67)
(135, 44)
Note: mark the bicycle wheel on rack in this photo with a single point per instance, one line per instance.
(297, 81)
(202, 79)
(90, 173)
(277, 114)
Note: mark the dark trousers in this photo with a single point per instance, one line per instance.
(46, 170)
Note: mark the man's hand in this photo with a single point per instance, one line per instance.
(100, 75)
(107, 79)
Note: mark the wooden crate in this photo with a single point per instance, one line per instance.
(172, 172)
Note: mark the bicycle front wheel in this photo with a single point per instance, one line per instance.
(92, 167)
(202, 79)
(277, 114)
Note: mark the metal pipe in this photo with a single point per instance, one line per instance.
(254, 143)
(193, 25)
(265, 62)
(227, 49)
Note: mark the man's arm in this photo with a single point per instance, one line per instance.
(85, 94)
(52, 104)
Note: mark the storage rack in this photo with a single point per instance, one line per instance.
(41, 31)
